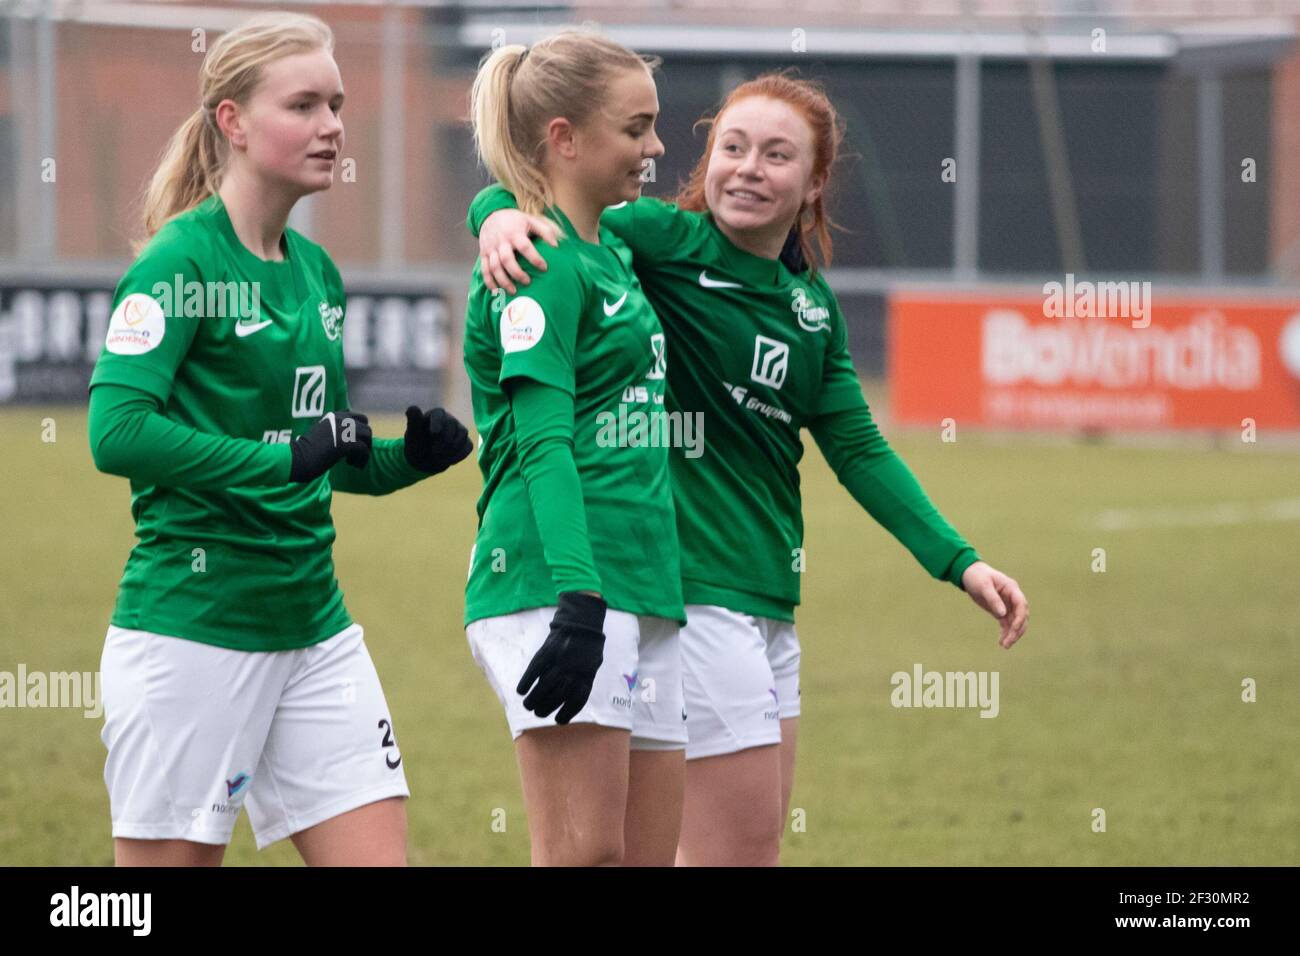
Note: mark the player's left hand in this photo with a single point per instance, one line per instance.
(1001, 596)
(435, 440)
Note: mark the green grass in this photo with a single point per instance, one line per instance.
(1124, 695)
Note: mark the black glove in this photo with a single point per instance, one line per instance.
(566, 664)
(791, 255)
(435, 440)
(337, 435)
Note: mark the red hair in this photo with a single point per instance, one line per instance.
(809, 99)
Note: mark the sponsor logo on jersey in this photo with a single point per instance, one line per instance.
(308, 391)
(717, 283)
(630, 679)
(237, 783)
(771, 359)
(137, 326)
(812, 318)
(522, 324)
(331, 318)
(661, 356)
(610, 310)
(739, 393)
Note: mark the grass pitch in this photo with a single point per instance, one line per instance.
(1125, 694)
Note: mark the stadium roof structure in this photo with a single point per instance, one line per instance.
(1190, 34)
(1206, 40)
(1192, 47)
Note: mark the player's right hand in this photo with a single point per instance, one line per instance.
(505, 233)
(565, 666)
(337, 436)
(1000, 595)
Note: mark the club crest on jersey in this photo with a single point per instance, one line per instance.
(331, 317)
(522, 324)
(771, 359)
(812, 318)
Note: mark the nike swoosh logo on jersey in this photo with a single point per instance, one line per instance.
(717, 283)
(243, 331)
(611, 309)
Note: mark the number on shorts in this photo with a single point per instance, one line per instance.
(388, 741)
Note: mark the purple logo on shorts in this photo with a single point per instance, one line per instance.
(236, 783)
(631, 679)
(772, 691)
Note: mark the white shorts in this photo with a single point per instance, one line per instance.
(195, 731)
(741, 675)
(638, 686)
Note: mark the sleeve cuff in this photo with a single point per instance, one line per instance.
(488, 201)
(404, 467)
(965, 558)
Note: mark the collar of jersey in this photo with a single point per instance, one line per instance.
(752, 269)
(556, 213)
(281, 280)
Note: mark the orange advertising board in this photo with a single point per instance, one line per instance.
(1043, 361)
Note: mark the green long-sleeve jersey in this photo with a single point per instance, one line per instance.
(570, 501)
(759, 353)
(215, 360)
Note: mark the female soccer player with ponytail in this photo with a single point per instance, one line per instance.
(760, 349)
(574, 597)
(232, 671)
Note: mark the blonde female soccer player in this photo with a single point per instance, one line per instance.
(233, 674)
(574, 596)
(760, 351)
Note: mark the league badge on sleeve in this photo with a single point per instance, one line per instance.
(522, 324)
(137, 325)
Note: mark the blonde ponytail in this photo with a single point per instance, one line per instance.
(188, 173)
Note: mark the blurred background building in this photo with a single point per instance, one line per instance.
(1155, 141)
